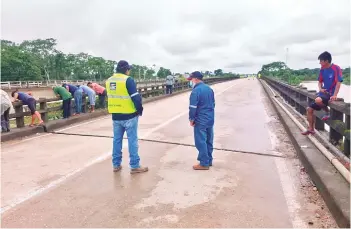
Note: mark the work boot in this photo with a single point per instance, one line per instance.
(200, 167)
(116, 169)
(139, 170)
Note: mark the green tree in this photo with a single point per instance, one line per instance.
(18, 64)
(44, 51)
(218, 72)
(163, 72)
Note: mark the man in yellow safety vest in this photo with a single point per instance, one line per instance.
(125, 105)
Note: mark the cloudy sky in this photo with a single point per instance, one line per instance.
(188, 35)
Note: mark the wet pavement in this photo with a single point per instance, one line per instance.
(67, 181)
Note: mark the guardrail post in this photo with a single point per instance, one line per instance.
(319, 125)
(290, 94)
(335, 136)
(43, 107)
(296, 97)
(303, 98)
(283, 91)
(19, 120)
(347, 141)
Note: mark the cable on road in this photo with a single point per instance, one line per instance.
(165, 142)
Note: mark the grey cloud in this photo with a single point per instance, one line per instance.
(180, 44)
(186, 35)
(239, 65)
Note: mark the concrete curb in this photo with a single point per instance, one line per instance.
(19, 133)
(331, 185)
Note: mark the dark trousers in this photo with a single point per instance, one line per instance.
(102, 98)
(204, 144)
(169, 89)
(66, 108)
(5, 121)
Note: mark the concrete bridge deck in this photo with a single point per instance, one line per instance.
(67, 181)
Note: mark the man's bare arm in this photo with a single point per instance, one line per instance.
(337, 88)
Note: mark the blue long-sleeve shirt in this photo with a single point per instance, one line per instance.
(136, 98)
(202, 104)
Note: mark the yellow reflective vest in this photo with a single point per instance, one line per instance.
(119, 100)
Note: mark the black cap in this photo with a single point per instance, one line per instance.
(123, 65)
(196, 75)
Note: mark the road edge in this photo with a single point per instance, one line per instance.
(331, 185)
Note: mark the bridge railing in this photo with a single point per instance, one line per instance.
(50, 107)
(37, 84)
(339, 121)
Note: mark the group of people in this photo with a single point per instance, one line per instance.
(65, 92)
(68, 91)
(125, 105)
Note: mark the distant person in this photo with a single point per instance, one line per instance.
(91, 96)
(66, 97)
(77, 94)
(100, 91)
(329, 82)
(6, 106)
(201, 117)
(125, 105)
(169, 84)
(30, 102)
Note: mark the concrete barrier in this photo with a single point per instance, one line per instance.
(334, 189)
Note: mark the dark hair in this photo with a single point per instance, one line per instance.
(13, 93)
(88, 83)
(122, 70)
(325, 56)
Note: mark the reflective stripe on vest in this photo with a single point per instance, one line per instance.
(119, 100)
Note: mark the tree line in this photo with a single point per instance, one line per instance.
(281, 71)
(40, 60)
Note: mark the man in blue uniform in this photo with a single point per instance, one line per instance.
(201, 117)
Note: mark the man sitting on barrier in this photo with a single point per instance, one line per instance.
(329, 82)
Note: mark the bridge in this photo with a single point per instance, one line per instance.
(264, 173)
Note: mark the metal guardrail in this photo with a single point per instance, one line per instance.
(21, 111)
(300, 97)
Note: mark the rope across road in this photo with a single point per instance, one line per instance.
(165, 142)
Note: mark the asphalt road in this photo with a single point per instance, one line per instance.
(67, 181)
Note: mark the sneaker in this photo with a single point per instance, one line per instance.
(325, 117)
(307, 132)
(139, 170)
(116, 169)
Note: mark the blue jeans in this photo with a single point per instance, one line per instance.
(204, 144)
(78, 100)
(131, 127)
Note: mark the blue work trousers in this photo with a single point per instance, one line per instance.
(78, 94)
(204, 144)
(131, 127)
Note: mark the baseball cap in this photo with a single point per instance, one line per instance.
(196, 75)
(123, 65)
